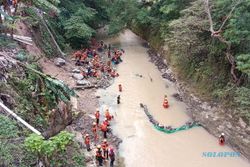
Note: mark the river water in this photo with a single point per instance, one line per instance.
(142, 145)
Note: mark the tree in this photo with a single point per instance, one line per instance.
(219, 35)
(47, 149)
(77, 30)
(121, 14)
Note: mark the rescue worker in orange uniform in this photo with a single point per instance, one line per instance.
(87, 142)
(107, 115)
(106, 122)
(105, 149)
(94, 130)
(104, 128)
(77, 55)
(165, 102)
(114, 74)
(83, 57)
(120, 87)
(98, 155)
(97, 116)
(222, 139)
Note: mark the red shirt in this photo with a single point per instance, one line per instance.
(97, 115)
(87, 140)
(104, 127)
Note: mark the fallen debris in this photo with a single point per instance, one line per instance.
(59, 62)
(77, 76)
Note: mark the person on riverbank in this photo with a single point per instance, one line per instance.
(118, 99)
(106, 122)
(109, 47)
(120, 87)
(97, 116)
(87, 142)
(109, 54)
(104, 128)
(107, 115)
(99, 156)
(105, 149)
(111, 156)
(94, 130)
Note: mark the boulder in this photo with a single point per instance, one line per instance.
(82, 83)
(76, 71)
(77, 76)
(59, 62)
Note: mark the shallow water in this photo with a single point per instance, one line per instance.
(142, 145)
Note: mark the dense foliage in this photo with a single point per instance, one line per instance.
(77, 21)
(183, 27)
(48, 150)
(12, 152)
(198, 56)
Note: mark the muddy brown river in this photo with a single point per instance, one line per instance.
(144, 146)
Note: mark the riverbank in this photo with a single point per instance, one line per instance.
(213, 117)
(83, 107)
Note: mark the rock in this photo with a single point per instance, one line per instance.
(76, 71)
(229, 126)
(165, 61)
(248, 130)
(177, 97)
(163, 70)
(77, 76)
(168, 77)
(82, 83)
(59, 62)
(88, 159)
(242, 123)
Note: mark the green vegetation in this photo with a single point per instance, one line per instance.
(76, 22)
(211, 54)
(215, 62)
(48, 150)
(34, 94)
(12, 152)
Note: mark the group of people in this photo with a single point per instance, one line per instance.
(104, 151)
(94, 64)
(97, 61)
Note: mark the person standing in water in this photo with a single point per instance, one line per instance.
(111, 156)
(118, 99)
(222, 139)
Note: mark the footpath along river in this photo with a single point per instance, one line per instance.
(144, 146)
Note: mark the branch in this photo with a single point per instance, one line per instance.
(209, 15)
(207, 8)
(229, 15)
